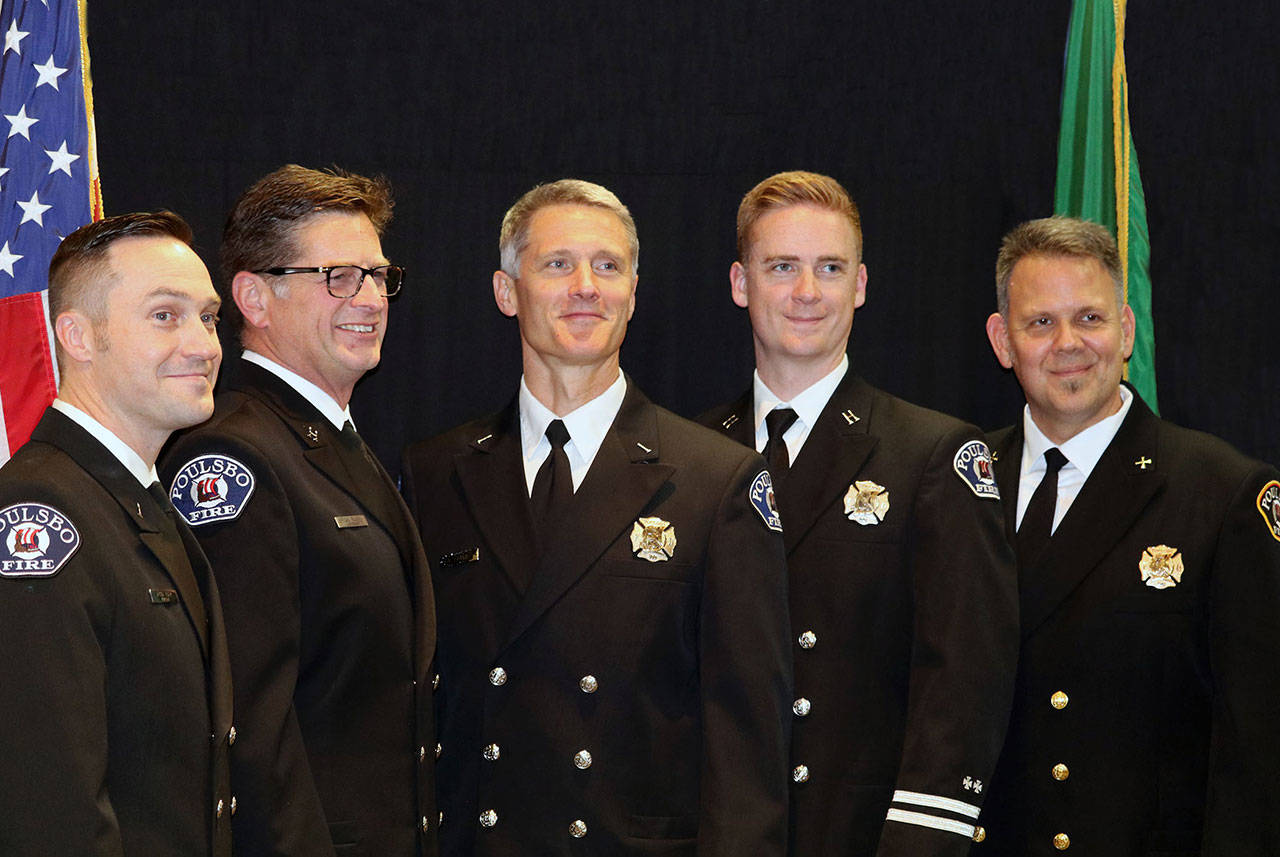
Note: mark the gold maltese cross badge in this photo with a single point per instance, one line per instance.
(866, 502)
(1161, 567)
(653, 539)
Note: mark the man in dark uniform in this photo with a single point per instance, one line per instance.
(327, 592)
(902, 587)
(1144, 715)
(615, 674)
(115, 692)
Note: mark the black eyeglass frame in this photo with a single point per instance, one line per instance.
(327, 270)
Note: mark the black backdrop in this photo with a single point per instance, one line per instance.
(940, 117)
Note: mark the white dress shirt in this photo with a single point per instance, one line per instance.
(587, 425)
(808, 406)
(142, 471)
(323, 402)
(1082, 452)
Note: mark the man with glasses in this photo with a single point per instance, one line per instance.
(330, 614)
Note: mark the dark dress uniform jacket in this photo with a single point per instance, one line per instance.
(674, 676)
(331, 625)
(1159, 704)
(909, 669)
(115, 693)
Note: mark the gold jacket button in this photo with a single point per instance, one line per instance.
(231, 736)
(582, 760)
(217, 810)
(233, 804)
(801, 707)
(435, 681)
(1060, 772)
(488, 818)
(492, 752)
(1058, 700)
(497, 676)
(422, 753)
(1062, 842)
(578, 829)
(439, 750)
(588, 684)
(426, 825)
(800, 773)
(979, 834)
(808, 640)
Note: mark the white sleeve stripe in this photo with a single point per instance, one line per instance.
(936, 802)
(930, 821)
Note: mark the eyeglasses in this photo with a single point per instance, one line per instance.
(345, 281)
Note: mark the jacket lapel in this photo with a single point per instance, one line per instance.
(836, 448)
(624, 477)
(1006, 449)
(737, 421)
(493, 482)
(1111, 500)
(154, 529)
(349, 469)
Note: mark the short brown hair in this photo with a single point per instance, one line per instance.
(1057, 236)
(80, 274)
(795, 187)
(260, 229)
(513, 239)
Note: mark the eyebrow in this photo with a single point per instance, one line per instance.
(166, 292)
(791, 257)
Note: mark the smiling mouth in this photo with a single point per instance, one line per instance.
(357, 328)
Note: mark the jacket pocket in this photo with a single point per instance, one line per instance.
(662, 826)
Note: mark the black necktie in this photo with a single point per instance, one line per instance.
(349, 437)
(157, 492)
(553, 486)
(1037, 520)
(777, 422)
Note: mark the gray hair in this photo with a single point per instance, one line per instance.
(514, 237)
(1057, 236)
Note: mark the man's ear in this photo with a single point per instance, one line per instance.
(738, 284)
(1127, 327)
(998, 334)
(504, 293)
(75, 335)
(253, 298)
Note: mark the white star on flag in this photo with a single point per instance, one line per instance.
(7, 259)
(20, 123)
(13, 39)
(49, 73)
(33, 209)
(62, 159)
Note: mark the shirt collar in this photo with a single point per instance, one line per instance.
(322, 401)
(587, 424)
(143, 472)
(1083, 449)
(808, 405)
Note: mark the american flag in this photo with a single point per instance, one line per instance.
(48, 188)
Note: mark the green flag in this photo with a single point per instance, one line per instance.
(1098, 168)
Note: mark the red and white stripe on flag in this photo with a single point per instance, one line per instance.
(48, 188)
